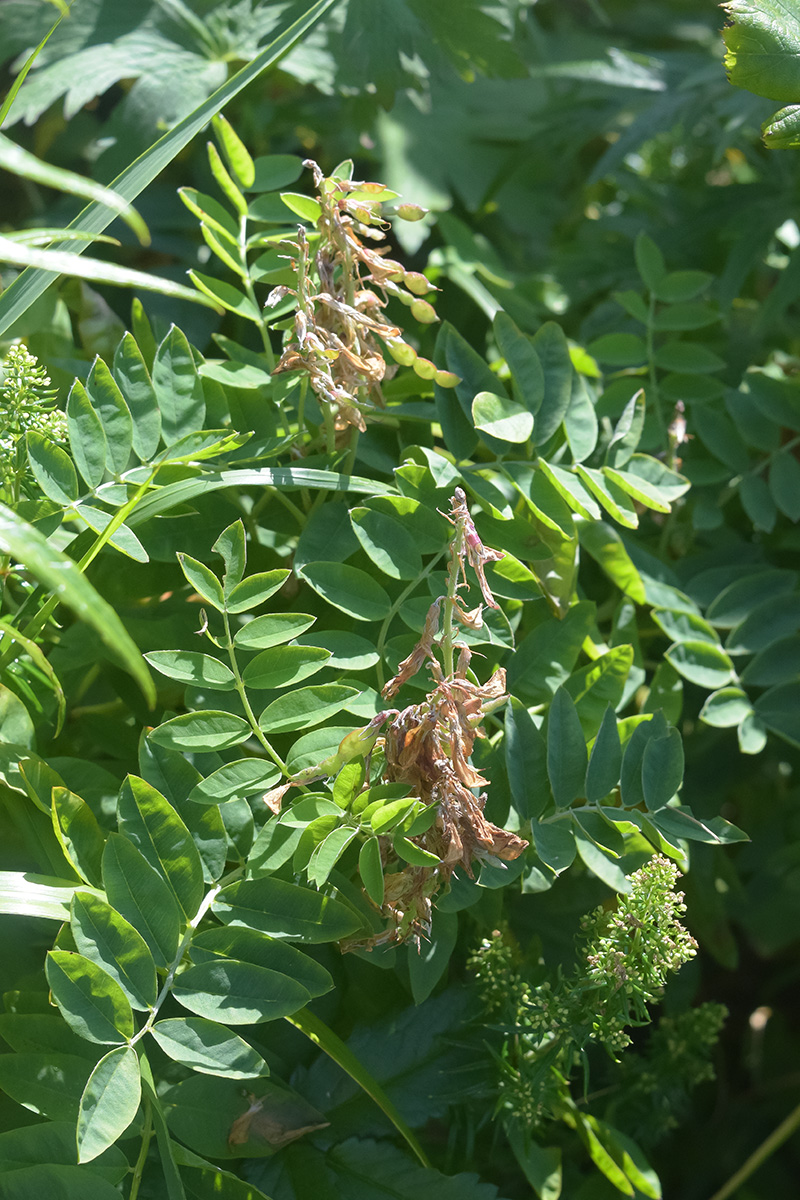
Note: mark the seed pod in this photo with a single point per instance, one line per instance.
(423, 312)
(411, 212)
(447, 379)
(401, 352)
(425, 368)
(417, 283)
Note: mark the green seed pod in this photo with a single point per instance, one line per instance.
(411, 212)
(425, 368)
(402, 353)
(423, 312)
(447, 379)
(417, 283)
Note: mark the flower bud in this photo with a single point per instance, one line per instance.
(425, 368)
(417, 283)
(447, 379)
(411, 212)
(423, 312)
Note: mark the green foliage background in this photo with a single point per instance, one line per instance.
(605, 218)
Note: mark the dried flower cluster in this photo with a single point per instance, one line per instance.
(429, 745)
(340, 334)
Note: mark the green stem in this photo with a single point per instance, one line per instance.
(240, 688)
(183, 946)
(147, 1133)
(335, 1048)
(760, 1155)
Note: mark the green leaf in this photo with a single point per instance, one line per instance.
(225, 295)
(427, 966)
(526, 761)
(142, 897)
(20, 295)
(53, 1142)
(203, 580)
(738, 599)
(783, 131)
(612, 498)
(188, 666)
(370, 870)
(627, 432)
(231, 545)
(778, 663)
(79, 833)
(779, 710)
(727, 707)
(178, 389)
(209, 1048)
(769, 621)
(54, 262)
(104, 936)
(555, 845)
(248, 945)
(619, 349)
(235, 151)
(107, 401)
(541, 1165)
(701, 663)
(87, 441)
(607, 549)
(24, 894)
(284, 665)
(552, 351)
(235, 781)
(49, 1083)
(305, 707)
(692, 314)
(123, 538)
(688, 357)
(580, 421)
(51, 1179)
(761, 45)
(546, 657)
(501, 417)
(784, 484)
(91, 1002)
(566, 750)
(685, 626)
(599, 862)
(302, 206)
(284, 910)
(61, 576)
(631, 785)
(325, 856)
(202, 731)
(211, 213)
(133, 379)
(18, 161)
(348, 651)
(52, 468)
(649, 262)
(154, 827)
(255, 590)
(272, 630)
(238, 993)
(605, 761)
(523, 362)
(662, 769)
(682, 285)
(638, 488)
(387, 542)
(349, 589)
(570, 488)
(109, 1102)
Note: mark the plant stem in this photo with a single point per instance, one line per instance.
(240, 688)
(760, 1155)
(147, 1133)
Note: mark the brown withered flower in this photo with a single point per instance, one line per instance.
(340, 333)
(429, 745)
